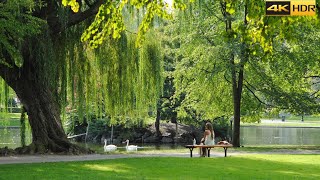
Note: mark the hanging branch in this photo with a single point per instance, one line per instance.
(256, 96)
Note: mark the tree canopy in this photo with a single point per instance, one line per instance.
(229, 60)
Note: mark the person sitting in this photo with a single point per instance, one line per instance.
(208, 138)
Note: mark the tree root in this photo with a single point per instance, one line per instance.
(41, 149)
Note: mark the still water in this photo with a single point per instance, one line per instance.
(250, 135)
(11, 137)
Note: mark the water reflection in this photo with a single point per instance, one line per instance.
(141, 146)
(11, 137)
(252, 135)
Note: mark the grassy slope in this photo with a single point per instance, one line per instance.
(240, 167)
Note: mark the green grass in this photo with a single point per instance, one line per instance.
(240, 167)
(10, 123)
(10, 115)
(286, 124)
(306, 118)
(10, 119)
(296, 118)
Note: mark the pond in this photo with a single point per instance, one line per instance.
(141, 147)
(11, 137)
(250, 135)
(260, 135)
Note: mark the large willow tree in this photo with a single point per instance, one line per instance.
(49, 68)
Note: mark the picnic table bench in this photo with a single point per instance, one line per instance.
(208, 147)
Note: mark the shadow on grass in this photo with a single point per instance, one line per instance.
(248, 167)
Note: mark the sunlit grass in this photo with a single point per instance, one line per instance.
(251, 166)
(10, 119)
(286, 124)
(305, 118)
(118, 168)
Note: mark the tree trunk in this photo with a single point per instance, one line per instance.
(23, 127)
(43, 110)
(236, 113)
(36, 95)
(157, 123)
(237, 71)
(236, 92)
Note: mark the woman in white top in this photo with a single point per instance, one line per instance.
(208, 137)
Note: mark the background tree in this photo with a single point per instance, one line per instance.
(239, 53)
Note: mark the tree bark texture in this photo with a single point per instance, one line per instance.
(43, 111)
(37, 97)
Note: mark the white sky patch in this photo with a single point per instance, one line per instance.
(170, 5)
(170, 2)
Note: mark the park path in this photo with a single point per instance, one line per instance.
(18, 159)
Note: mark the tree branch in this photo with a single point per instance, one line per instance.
(315, 92)
(88, 3)
(75, 18)
(312, 76)
(256, 96)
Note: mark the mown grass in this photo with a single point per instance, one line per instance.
(296, 118)
(251, 166)
(285, 124)
(305, 118)
(9, 119)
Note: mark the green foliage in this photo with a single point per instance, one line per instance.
(109, 19)
(198, 75)
(278, 69)
(23, 127)
(116, 79)
(286, 74)
(72, 3)
(16, 24)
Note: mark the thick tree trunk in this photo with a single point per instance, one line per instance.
(36, 95)
(23, 127)
(43, 111)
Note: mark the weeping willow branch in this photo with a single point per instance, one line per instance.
(116, 80)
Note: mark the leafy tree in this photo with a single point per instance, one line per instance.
(49, 68)
(230, 49)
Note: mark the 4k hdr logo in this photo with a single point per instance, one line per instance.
(291, 8)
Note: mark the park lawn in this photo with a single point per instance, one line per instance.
(7, 123)
(251, 166)
(306, 118)
(10, 119)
